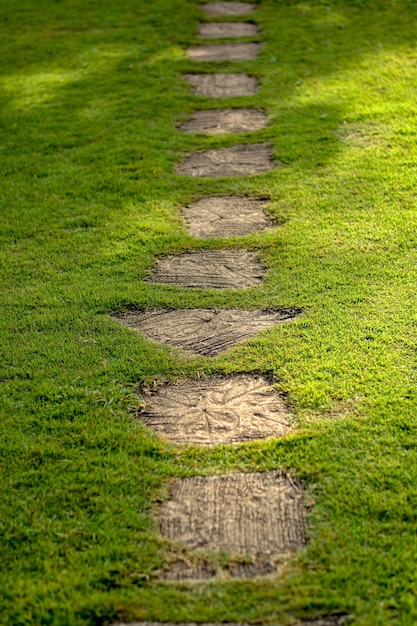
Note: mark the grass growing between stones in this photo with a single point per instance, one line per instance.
(92, 93)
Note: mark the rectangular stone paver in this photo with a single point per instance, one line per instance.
(225, 30)
(204, 331)
(226, 216)
(224, 52)
(217, 410)
(240, 160)
(218, 121)
(222, 85)
(228, 8)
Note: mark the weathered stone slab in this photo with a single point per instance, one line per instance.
(210, 269)
(222, 85)
(217, 121)
(225, 30)
(224, 52)
(238, 160)
(228, 8)
(204, 331)
(261, 515)
(226, 216)
(217, 410)
(333, 620)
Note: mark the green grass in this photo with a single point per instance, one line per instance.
(92, 93)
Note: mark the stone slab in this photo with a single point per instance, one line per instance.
(217, 410)
(228, 8)
(218, 121)
(259, 515)
(226, 216)
(333, 620)
(225, 30)
(240, 160)
(210, 269)
(222, 85)
(224, 52)
(208, 332)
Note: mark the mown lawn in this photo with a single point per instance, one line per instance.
(91, 96)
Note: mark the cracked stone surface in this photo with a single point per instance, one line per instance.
(261, 515)
(210, 269)
(217, 410)
(228, 8)
(222, 85)
(226, 216)
(217, 121)
(224, 52)
(238, 160)
(204, 331)
(224, 30)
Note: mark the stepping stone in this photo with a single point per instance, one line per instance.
(208, 332)
(222, 85)
(210, 269)
(228, 8)
(226, 216)
(224, 30)
(224, 52)
(238, 160)
(333, 620)
(260, 515)
(218, 410)
(217, 121)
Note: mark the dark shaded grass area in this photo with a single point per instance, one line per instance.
(91, 96)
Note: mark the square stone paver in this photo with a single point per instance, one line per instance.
(260, 515)
(226, 216)
(218, 121)
(217, 410)
(208, 332)
(225, 30)
(224, 52)
(240, 160)
(222, 85)
(228, 8)
(210, 269)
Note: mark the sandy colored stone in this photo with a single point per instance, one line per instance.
(226, 216)
(210, 269)
(225, 30)
(218, 121)
(217, 410)
(228, 8)
(224, 52)
(338, 620)
(240, 160)
(222, 85)
(204, 331)
(261, 515)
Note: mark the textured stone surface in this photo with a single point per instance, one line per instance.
(210, 269)
(238, 160)
(224, 52)
(217, 121)
(224, 30)
(228, 8)
(334, 620)
(226, 216)
(222, 85)
(261, 515)
(217, 410)
(204, 331)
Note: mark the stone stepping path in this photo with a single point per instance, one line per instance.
(222, 85)
(210, 269)
(218, 121)
(226, 30)
(226, 216)
(226, 9)
(217, 410)
(224, 52)
(208, 332)
(239, 160)
(260, 515)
